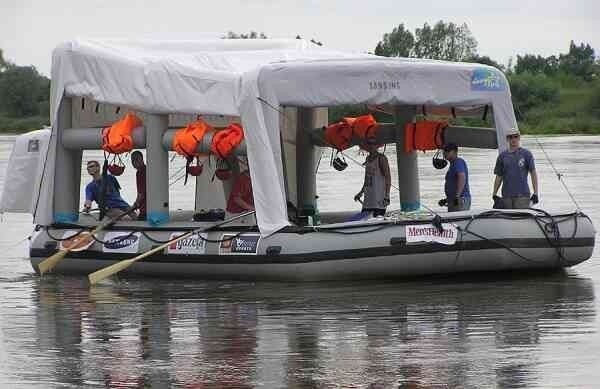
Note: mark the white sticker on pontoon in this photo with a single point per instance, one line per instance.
(121, 242)
(193, 244)
(429, 233)
(246, 244)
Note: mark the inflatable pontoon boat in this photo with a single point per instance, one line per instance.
(279, 91)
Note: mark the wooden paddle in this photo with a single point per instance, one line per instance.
(49, 263)
(108, 271)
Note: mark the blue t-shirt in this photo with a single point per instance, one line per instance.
(112, 199)
(513, 168)
(457, 166)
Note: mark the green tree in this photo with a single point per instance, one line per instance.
(445, 41)
(533, 90)
(485, 60)
(23, 91)
(398, 43)
(3, 63)
(579, 61)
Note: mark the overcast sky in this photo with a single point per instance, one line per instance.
(30, 29)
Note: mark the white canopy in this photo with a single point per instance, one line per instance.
(251, 79)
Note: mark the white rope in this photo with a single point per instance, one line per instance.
(558, 175)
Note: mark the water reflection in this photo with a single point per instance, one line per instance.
(460, 332)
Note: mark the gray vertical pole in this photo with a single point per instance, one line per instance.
(305, 162)
(157, 170)
(67, 178)
(408, 168)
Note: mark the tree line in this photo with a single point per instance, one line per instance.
(558, 93)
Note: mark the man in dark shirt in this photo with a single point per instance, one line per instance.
(137, 160)
(458, 195)
(511, 170)
(113, 202)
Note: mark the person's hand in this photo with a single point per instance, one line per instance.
(86, 208)
(534, 199)
(386, 201)
(357, 197)
(443, 202)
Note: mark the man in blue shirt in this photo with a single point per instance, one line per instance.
(511, 170)
(114, 203)
(458, 196)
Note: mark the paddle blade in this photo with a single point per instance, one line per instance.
(49, 263)
(108, 271)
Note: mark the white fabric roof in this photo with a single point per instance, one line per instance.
(251, 78)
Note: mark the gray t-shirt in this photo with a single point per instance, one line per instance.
(513, 168)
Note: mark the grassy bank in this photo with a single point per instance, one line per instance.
(10, 125)
(571, 115)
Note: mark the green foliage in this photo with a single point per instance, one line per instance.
(398, 43)
(532, 90)
(485, 60)
(337, 113)
(23, 91)
(594, 100)
(535, 64)
(3, 62)
(445, 41)
(579, 61)
(23, 124)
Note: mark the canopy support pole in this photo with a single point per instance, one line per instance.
(157, 171)
(408, 167)
(306, 161)
(67, 178)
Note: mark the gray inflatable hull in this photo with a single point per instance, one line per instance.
(487, 241)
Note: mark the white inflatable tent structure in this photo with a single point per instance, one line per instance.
(253, 80)
(24, 172)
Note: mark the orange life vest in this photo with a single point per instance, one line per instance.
(117, 139)
(225, 141)
(424, 135)
(187, 139)
(365, 126)
(339, 134)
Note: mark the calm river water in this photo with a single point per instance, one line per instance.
(506, 330)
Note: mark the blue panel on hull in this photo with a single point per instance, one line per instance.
(156, 218)
(407, 207)
(65, 217)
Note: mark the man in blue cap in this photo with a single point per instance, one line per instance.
(458, 195)
(511, 170)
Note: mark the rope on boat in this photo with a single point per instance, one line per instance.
(559, 176)
(154, 240)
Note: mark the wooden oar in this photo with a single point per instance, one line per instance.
(49, 263)
(108, 271)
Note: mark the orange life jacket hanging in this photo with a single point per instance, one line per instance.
(117, 139)
(365, 126)
(424, 135)
(339, 135)
(224, 142)
(186, 141)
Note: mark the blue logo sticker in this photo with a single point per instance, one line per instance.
(486, 80)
